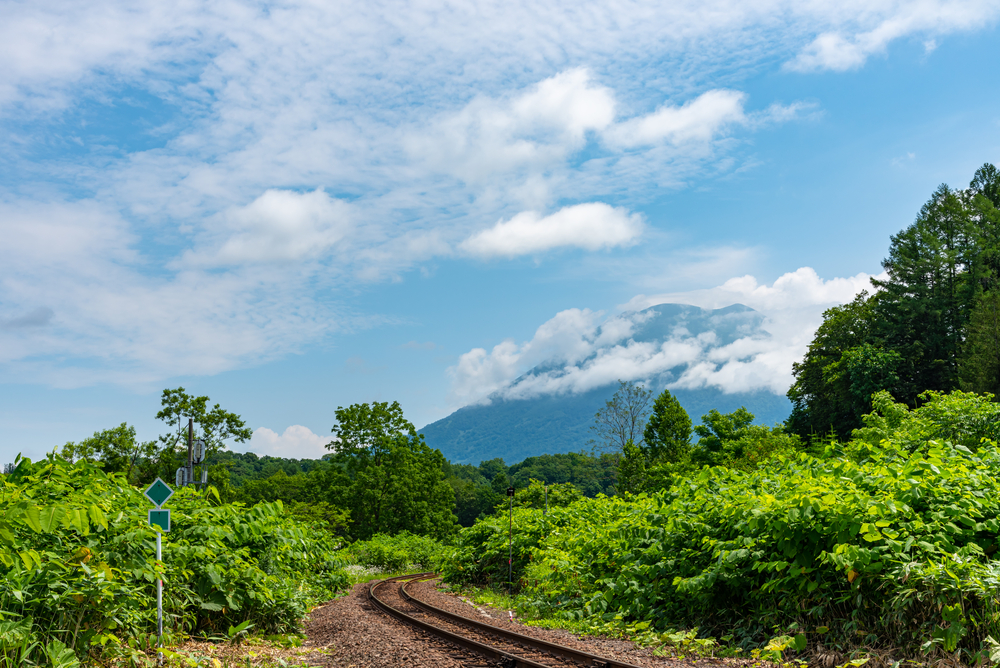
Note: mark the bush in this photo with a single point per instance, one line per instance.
(77, 564)
(890, 545)
(397, 553)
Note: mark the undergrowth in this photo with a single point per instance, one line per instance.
(78, 568)
(884, 544)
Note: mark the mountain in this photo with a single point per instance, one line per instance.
(522, 421)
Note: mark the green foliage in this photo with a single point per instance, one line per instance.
(979, 367)
(397, 553)
(364, 431)
(215, 426)
(822, 397)
(934, 272)
(394, 482)
(77, 568)
(668, 432)
(731, 440)
(895, 542)
(539, 495)
(932, 324)
(591, 475)
(631, 469)
(716, 430)
(117, 450)
(960, 418)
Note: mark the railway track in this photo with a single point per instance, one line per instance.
(478, 644)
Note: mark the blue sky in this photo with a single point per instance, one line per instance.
(290, 207)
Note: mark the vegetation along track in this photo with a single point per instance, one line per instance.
(485, 644)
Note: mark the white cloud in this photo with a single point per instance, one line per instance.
(837, 51)
(588, 353)
(591, 226)
(191, 232)
(108, 320)
(700, 120)
(279, 226)
(296, 442)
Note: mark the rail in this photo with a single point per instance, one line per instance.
(504, 658)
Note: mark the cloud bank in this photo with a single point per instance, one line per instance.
(579, 350)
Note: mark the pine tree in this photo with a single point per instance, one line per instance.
(668, 432)
(980, 366)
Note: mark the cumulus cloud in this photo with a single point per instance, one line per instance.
(534, 128)
(590, 353)
(279, 226)
(296, 442)
(590, 226)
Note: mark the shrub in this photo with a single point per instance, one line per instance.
(77, 563)
(890, 545)
(397, 553)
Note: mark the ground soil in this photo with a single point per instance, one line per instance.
(351, 633)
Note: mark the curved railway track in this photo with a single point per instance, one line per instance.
(480, 644)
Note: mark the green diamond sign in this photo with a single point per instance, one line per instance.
(158, 492)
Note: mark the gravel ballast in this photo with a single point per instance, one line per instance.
(350, 632)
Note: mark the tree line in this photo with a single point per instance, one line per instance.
(932, 324)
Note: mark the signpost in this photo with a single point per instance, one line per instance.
(510, 542)
(159, 492)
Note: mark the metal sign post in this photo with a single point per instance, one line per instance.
(510, 541)
(158, 493)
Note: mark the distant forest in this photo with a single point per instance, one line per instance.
(251, 479)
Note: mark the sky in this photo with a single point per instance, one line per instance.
(295, 206)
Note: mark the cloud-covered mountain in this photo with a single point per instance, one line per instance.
(550, 408)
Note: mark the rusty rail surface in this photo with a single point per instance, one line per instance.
(504, 658)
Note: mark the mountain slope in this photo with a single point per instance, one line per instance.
(522, 420)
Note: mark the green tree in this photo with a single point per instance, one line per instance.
(979, 369)
(631, 469)
(668, 432)
(364, 431)
(622, 419)
(733, 441)
(717, 429)
(116, 449)
(843, 366)
(396, 481)
(536, 492)
(983, 202)
(472, 500)
(213, 425)
(935, 268)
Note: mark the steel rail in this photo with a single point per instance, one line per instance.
(576, 655)
(505, 659)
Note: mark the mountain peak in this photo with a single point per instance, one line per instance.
(549, 408)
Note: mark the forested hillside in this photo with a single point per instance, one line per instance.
(514, 427)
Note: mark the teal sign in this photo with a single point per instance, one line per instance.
(158, 492)
(160, 518)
